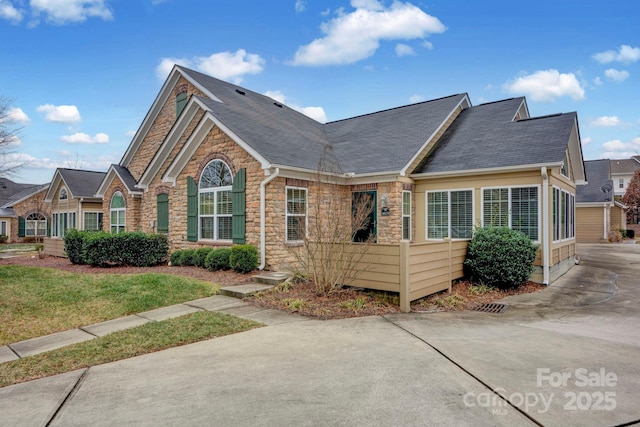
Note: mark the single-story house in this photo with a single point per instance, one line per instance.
(597, 211)
(215, 164)
(73, 203)
(23, 212)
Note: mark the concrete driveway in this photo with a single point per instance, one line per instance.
(569, 355)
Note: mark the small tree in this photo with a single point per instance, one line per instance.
(632, 198)
(8, 138)
(328, 255)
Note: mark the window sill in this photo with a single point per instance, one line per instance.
(215, 242)
(296, 244)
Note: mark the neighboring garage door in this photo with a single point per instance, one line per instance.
(589, 224)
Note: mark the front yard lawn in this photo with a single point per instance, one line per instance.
(40, 301)
(150, 337)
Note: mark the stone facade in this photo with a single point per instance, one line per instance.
(33, 204)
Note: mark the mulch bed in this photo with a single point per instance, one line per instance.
(302, 298)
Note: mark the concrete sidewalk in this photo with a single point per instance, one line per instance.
(528, 366)
(221, 303)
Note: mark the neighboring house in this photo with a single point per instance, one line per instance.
(23, 213)
(71, 196)
(622, 171)
(597, 212)
(214, 164)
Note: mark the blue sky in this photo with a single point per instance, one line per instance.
(82, 74)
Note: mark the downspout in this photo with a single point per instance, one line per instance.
(79, 220)
(606, 223)
(546, 243)
(263, 215)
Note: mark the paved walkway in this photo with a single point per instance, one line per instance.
(221, 303)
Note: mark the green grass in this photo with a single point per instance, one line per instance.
(148, 338)
(40, 301)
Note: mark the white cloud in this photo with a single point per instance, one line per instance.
(84, 138)
(416, 98)
(586, 141)
(166, 65)
(404, 50)
(625, 54)
(16, 115)
(546, 86)
(227, 65)
(223, 65)
(301, 6)
(606, 122)
(130, 133)
(65, 11)
(316, 113)
(616, 75)
(617, 149)
(351, 37)
(597, 81)
(60, 113)
(427, 45)
(9, 12)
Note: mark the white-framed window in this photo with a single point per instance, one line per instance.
(621, 183)
(3, 228)
(406, 215)
(515, 207)
(61, 222)
(63, 194)
(92, 221)
(450, 214)
(215, 202)
(563, 215)
(35, 225)
(118, 213)
(296, 213)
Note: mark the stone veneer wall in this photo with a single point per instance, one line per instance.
(159, 129)
(34, 204)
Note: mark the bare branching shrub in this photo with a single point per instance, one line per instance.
(336, 218)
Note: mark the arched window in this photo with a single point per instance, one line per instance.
(118, 213)
(35, 225)
(214, 212)
(63, 194)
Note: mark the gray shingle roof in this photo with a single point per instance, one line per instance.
(624, 166)
(9, 188)
(82, 183)
(485, 137)
(286, 137)
(23, 190)
(599, 187)
(126, 177)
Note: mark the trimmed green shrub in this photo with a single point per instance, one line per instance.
(201, 256)
(176, 258)
(218, 259)
(3, 238)
(188, 257)
(501, 257)
(135, 249)
(73, 240)
(243, 258)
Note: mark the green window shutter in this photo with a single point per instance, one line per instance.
(48, 227)
(238, 206)
(163, 213)
(181, 102)
(192, 210)
(21, 227)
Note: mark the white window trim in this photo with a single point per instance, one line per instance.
(215, 215)
(510, 187)
(84, 218)
(573, 224)
(4, 229)
(448, 191)
(407, 216)
(120, 228)
(287, 214)
(55, 222)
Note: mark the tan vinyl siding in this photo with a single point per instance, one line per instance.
(589, 224)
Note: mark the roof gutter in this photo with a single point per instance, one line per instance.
(546, 232)
(263, 215)
(487, 171)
